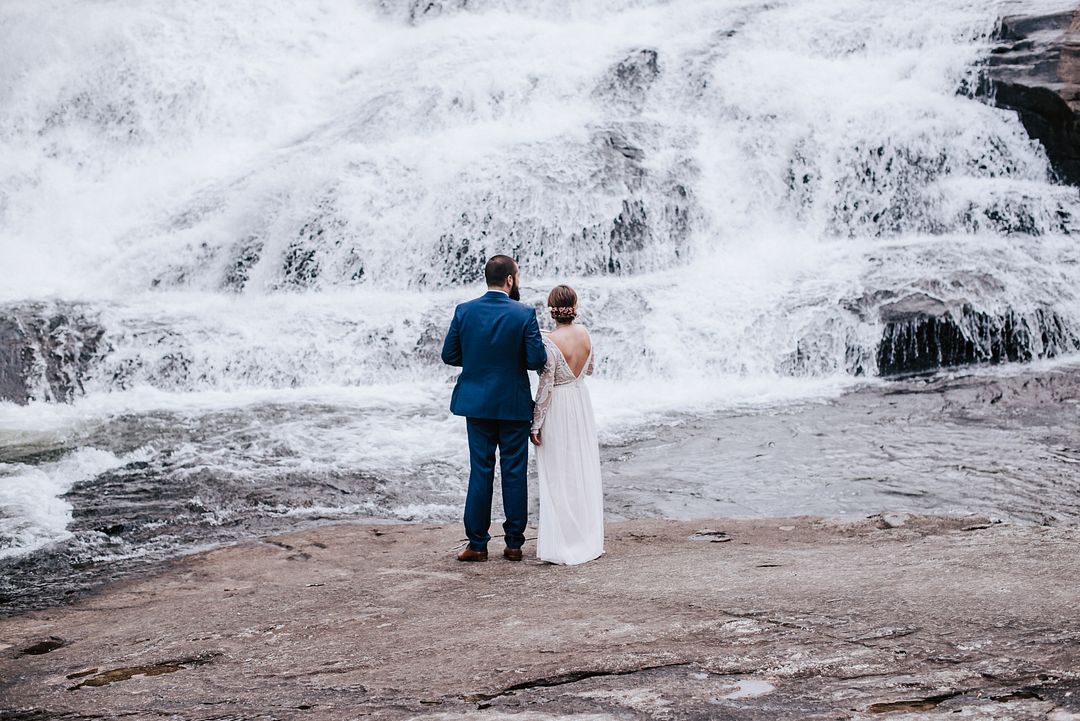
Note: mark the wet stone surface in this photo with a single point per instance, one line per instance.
(922, 334)
(1034, 69)
(46, 350)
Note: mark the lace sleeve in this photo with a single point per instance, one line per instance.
(543, 393)
(592, 355)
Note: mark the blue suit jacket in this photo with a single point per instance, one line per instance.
(496, 341)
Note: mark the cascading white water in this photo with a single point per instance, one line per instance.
(251, 197)
(739, 169)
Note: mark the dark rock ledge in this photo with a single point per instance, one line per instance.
(1035, 71)
(784, 619)
(923, 334)
(46, 350)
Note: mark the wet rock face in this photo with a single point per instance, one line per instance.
(45, 351)
(16, 360)
(1035, 71)
(923, 334)
(246, 255)
(627, 82)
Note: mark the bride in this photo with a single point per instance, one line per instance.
(564, 432)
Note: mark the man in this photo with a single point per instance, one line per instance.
(496, 341)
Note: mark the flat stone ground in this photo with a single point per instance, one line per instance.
(894, 617)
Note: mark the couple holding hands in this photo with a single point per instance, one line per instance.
(496, 340)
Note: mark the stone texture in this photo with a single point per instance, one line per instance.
(16, 361)
(790, 618)
(1035, 70)
(46, 350)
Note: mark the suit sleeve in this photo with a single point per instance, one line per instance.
(451, 347)
(535, 353)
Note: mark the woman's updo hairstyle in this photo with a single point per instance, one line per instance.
(562, 302)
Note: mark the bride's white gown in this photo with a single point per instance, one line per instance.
(568, 463)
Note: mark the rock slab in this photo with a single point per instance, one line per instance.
(787, 618)
(922, 334)
(46, 350)
(1035, 70)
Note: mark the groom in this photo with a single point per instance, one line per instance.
(496, 341)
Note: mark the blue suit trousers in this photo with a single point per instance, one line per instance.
(511, 438)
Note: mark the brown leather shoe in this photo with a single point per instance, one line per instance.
(512, 554)
(470, 555)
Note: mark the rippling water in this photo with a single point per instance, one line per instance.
(1004, 445)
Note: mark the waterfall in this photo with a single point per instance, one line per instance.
(264, 196)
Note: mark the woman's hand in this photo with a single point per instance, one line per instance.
(535, 438)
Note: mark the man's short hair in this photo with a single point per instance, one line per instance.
(498, 269)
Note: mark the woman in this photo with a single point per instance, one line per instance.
(564, 432)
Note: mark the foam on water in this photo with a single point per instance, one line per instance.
(32, 512)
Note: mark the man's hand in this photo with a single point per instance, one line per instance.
(535, 438)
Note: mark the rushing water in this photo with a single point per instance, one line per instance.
(256, 217)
